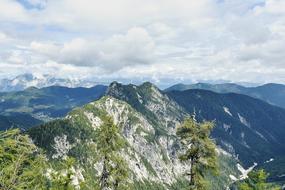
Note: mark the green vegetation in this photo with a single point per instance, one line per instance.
(64, 176)
(34, 106)
(85, 150)
(257, 181)
(115, 170)
(199, 151)
(22, 164)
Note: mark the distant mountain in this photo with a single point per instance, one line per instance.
(271, 93)
(47, 103)
(19, 120)
(250, 128)
(24, 81)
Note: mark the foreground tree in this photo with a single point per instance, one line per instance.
(109, 144)
(257, 181)
(22, 164)
(199, 150)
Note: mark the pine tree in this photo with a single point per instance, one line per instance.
(199, 151)
(109, 144)
(22, 163)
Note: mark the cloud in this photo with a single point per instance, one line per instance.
(185, 39)
(11, 11)
(3, 37)
(116, 52)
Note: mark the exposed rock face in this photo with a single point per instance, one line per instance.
(148, 119)
(151, 102)
(150, 158)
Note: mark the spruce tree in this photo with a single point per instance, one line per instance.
(109, 145)
(198, 150)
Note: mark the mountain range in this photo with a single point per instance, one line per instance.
(271, 92)
(147, 119)
(248, 130)
(21, 82)
(45, 104)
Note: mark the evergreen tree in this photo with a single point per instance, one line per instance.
(199, 151)
(56, 178)
(257, 181)
(22, 164)
(109, 144)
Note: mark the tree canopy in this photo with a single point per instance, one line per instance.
(198, 151)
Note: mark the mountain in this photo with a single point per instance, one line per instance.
(152, 146)
(271, 93)
(46, 103)
(19, 120)
(247, 127)
(24, 81)
(219, 88)
(250, 128)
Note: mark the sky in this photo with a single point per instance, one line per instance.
(163, 41)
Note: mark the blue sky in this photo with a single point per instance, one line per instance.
(133, 40)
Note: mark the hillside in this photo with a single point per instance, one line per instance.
(271, 93)
(252, 129)
(47, 103)
(247, 127)
(151, 151)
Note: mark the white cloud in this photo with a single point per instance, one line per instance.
(11, 11)
(3, 37)
(135, 47)
(183, 39)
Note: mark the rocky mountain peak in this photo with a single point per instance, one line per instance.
(151, 152)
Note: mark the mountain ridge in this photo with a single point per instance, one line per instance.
(49, 102)
(272, 93)
(21, 82)
(245, 124)
(152, 156)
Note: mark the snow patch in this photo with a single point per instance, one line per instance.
(227, 110)
(139, 98)
(259, 134)
(270, 160)
(245, 172)
(233, 177)
(243, 121)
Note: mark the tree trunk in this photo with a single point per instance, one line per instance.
(104, 177)
(192, 174)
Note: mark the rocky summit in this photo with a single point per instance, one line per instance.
(147, 119)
